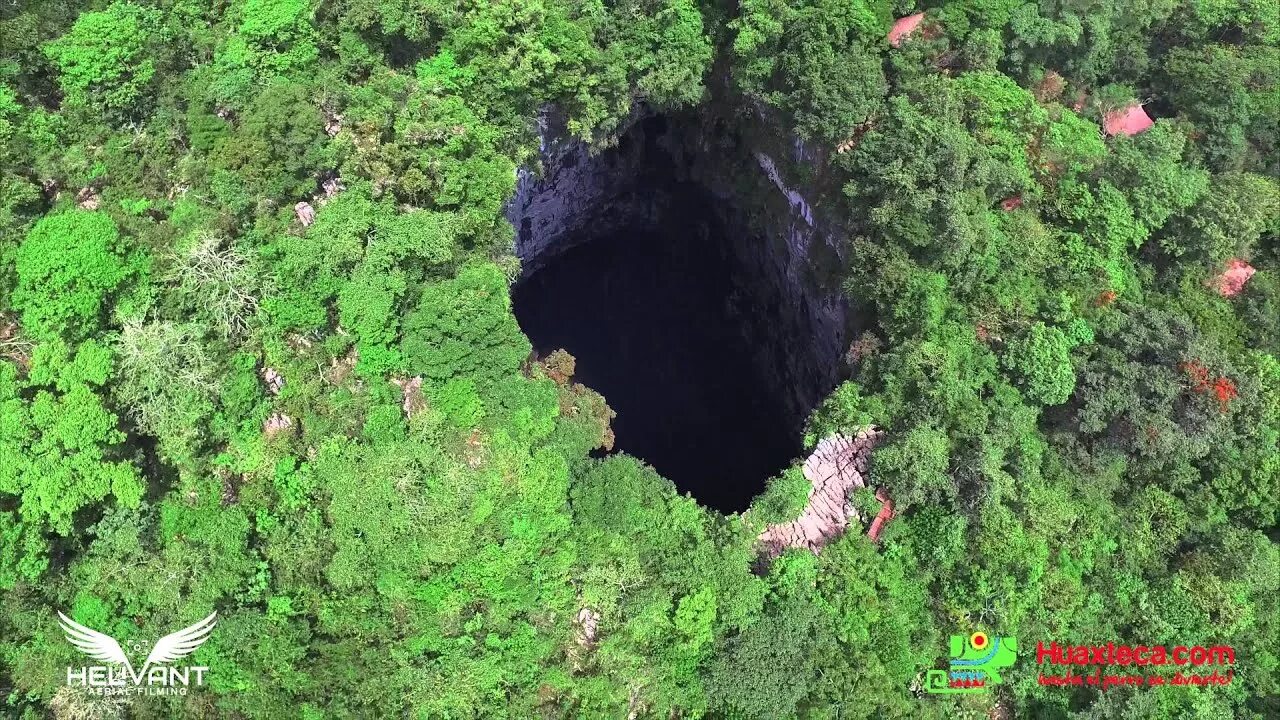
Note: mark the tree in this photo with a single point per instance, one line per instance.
(215, 282)
(767, 670)
(68, 267)
(914, 465)
(59, 453)
(104, 64)
(1041, 360)
(275, 40)
(278, 148)
(1227, 221)
(1224, 90)
(167, 379)
(812, 60)
(1148, 169)
(464, 326)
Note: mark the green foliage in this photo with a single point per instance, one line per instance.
(424, 236)
(68, 267)
(1228, 92)
(760, 673)
(914, 466)
(812, 60)
(1148, 170)
(1003, 115)
(104, 65)
(367, 307)
(1040, 360)
(784, 497)
(464, 326)
(679, 53)
(167, 380)
(275, 39)
(845, 410)
(278, 146)
(26, 554)
(1227, 221)
(337, 436)
(59, 449)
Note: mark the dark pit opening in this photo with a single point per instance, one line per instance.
(675, 311)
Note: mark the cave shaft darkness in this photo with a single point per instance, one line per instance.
(654, 284)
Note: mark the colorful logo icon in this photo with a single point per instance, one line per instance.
(976, 662)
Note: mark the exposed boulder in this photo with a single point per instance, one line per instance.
(836, 468)
(903, 27)
(88, 199)
(306, 214)
(586, 626)
(1231, 281)
(1128, 121)
(276, 425)
(273, 380)
(414, 400)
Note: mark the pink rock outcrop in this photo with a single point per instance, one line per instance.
(1129, 121)
(306, 214)
(273, 380)
(836, 468)
(415, 401)
(902, 27)
(1231, 281)
(276, 424)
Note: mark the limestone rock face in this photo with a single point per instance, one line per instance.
(273, 380)
(415, 401)
(577, 189)
(276, 424)
(88, 199)
(306, 214)
(836, 468)
(586, 625)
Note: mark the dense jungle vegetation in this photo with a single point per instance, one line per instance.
(208, 405)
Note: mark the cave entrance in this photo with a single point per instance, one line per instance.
(675, 312)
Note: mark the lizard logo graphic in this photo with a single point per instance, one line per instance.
(975, 664)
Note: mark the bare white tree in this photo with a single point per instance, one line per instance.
(167, 379)
(13, 346)
(217, 279)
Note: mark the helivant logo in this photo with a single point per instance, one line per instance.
(975, 664)
(157, 675)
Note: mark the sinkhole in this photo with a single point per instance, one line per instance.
(640, 262)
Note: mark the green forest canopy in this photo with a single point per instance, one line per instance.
(205, 405)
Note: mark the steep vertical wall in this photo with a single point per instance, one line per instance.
(778, 243)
